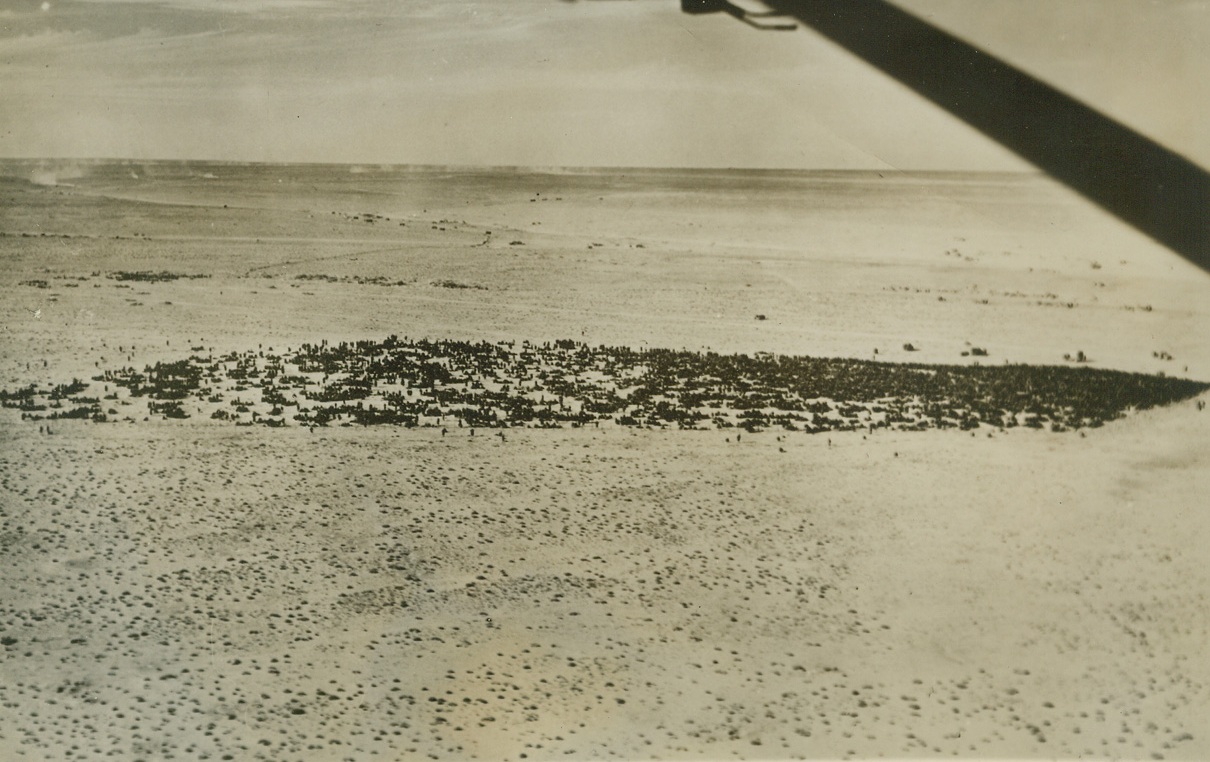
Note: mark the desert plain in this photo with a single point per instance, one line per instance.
(192, 589)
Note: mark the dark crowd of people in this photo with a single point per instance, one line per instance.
(443, 383)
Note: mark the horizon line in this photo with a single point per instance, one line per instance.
(370, 166)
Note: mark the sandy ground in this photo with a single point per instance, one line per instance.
(192, 590)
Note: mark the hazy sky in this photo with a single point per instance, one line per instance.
(552, 82)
